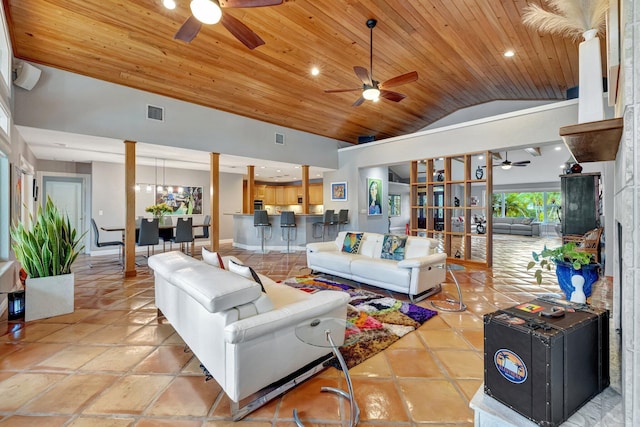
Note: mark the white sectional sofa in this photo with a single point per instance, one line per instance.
(244, 337)
(418, 275)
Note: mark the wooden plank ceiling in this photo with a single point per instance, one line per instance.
(455, 46)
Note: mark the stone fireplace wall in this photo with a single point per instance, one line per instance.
(627, 211)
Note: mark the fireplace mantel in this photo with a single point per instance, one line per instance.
(593, 141)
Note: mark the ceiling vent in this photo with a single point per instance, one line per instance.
(155, 113)
(279, 138)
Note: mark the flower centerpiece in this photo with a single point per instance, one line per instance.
(568, 261)
(159, 210)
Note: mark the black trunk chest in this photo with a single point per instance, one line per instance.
(545, 367)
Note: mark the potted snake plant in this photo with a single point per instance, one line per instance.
(46, 250)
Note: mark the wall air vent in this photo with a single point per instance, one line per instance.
(279, 138)
(155, 113)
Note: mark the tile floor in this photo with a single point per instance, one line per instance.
(114, 363)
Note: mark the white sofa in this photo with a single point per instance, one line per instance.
(418, 275)
(244, 338)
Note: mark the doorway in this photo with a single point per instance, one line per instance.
(68, 194)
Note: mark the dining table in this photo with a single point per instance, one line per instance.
(160, 227)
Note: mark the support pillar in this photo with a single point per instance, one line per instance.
(130, 209)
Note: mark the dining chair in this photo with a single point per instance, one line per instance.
(205, 228)
(165, 226)
(149, 234)
(184, 233)
(100, 244)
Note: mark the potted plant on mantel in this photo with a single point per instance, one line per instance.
(569, 261)
(46, 252)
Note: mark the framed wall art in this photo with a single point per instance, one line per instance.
(338, 191)
(374, 196)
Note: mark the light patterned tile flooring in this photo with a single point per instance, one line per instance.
(113, 362)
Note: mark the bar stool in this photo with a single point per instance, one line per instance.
(343, 217)
(261, 221)
(327, 221)
(288, 222)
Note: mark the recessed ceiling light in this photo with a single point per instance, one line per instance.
(315, 71)
(509, 53)
(278, 170)
(297, 167)
(562, 166)
(262, 167)
(558, 148)
(169, 4)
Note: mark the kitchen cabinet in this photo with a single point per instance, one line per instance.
(259, 193)
(280, 196)
(315, 194)
(270, 195)
(291, 194)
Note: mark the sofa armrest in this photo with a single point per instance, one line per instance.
(320, 304)
(535, 228)
(321, 247)
(423, 261)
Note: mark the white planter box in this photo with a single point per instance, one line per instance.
(49, 296)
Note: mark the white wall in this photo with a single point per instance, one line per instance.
(405, 205)
(73, 103)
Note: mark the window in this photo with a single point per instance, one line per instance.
(542, 206)
(394, 205)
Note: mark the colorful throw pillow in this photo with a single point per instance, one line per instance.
(393, 247)
(245, 271)
(351, 243)
(212, 258)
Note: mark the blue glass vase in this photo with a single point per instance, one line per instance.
(564, 271)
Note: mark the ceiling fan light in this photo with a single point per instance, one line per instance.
(506, 167)
(371, 93)
(169, 4)
(206, 11)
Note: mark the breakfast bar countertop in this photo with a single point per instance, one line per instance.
(246, 236)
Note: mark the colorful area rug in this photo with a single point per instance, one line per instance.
(379, 320)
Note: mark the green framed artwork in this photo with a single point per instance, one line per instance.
(374, 196)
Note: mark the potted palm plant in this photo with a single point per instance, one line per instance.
(46, 250)
(568, 261)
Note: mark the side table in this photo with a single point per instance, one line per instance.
(455, 305)
(320, 333)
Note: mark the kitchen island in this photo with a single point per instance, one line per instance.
(246, 236)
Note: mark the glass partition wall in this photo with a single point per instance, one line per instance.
(451, 202)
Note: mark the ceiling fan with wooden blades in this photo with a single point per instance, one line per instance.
(507, 164)
(210, 12)
(372, 89)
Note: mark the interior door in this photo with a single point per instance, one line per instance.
(67, 193)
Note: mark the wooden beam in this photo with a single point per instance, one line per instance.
(305, 189)
(130, 209)
(251, 187)
(214, 197)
